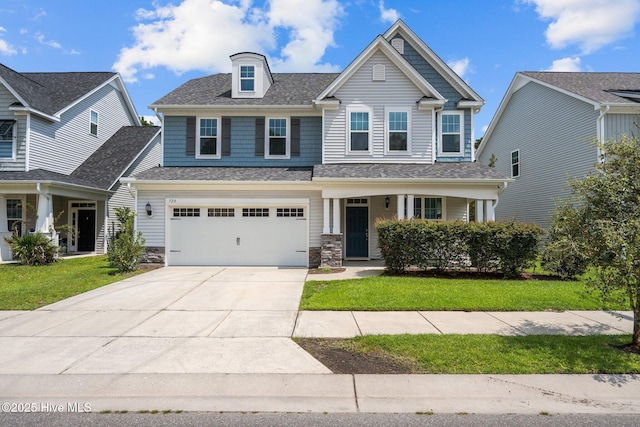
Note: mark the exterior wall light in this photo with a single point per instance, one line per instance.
(148, 209)
(386, 203)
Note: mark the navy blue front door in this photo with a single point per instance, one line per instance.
(356, 226)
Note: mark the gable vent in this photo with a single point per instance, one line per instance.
(398, 45)
(379, 73)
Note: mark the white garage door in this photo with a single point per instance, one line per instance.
(216, 235)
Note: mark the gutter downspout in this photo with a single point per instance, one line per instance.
(161, 118)
(134, 194)
(600, 129)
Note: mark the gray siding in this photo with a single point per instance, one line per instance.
(63, 146)
(243, 136)
(396, 91)
(457, 209)
(616, 125)
(554, 133)
(6, 99)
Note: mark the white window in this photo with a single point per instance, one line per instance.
(186, 212)
(15, 215)
(93, 129)
(247, 78)
(451, 133)
(255, 212)
(221, 212)
(359, 130)
(277, 141)
(7, 128)
(208, 138)
(398, 125)
(431, 208)
(515, 164)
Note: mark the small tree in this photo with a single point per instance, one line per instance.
(125, 245)
(604, 218)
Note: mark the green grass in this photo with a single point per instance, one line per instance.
(492, 354)
(27, 288)
(422, 293)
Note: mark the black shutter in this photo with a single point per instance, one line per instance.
(295, 137)
(191, 136)
(260, 136)
(226, 136)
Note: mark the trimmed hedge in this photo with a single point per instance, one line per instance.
(508, 247)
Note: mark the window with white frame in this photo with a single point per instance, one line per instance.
(208, 138)
(247, 78)
(398, 125)
(15, 215)
(277, 138)
(515, 164)
(359, 130)
(428, 208)
(93, 128)
(451, 133)
(7, 128)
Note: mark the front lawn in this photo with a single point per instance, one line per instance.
(382, 293)
(30, 287)
(478, 354)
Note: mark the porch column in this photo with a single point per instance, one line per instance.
(480, 210)
(326, 212)
(491, 213)
(4, 225)
(336, 216)
(44, 223)
(410, 204)
(400, 206)
(5, 250)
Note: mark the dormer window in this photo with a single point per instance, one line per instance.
(247, 78)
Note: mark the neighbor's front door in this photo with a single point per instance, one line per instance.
(357, 231)
(86, 230)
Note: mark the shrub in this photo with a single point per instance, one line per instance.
(125, 245)
(33, 248)
(563, 258)
(479, 238)
(515, 244)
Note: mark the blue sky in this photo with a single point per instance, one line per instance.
(158, 45)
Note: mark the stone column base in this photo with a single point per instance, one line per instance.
(331, 250)
(153, 255)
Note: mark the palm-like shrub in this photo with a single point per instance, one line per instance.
(33, 248)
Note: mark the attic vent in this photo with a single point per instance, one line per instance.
(398, 44)
(379, 73)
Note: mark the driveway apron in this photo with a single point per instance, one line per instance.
(170, 320)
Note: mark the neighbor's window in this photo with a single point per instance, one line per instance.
(208, 138)
(398, 130)
(515, 164)
(427, 207)
(247, 78)
(451, 133)
(15, 215)
(277, 138)
(94, 123)
(359, 130)
(6, 138)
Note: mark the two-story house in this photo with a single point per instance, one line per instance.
(265, 168)
(545, 131)
(66, 139)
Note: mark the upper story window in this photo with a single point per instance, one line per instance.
(515, 164)
(359, 130)
(6, 138)
(247, 78)
(397, 126)
(208, 138)
(451, 133)
(277, 140)
(94, 123)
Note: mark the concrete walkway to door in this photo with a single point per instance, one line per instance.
(170, 320)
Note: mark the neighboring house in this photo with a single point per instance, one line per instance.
(544, 133)
(66, 139)
(265, 168)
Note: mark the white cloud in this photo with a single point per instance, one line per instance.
(566, 64)
(202, 34)
(388, 15)
(6, 48)
(589, 24)
(460, 66)
(51, 43)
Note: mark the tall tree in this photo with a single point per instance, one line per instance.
(602, 221)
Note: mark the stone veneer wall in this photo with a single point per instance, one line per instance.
(153, 255)
(331, 250)
(314, 257)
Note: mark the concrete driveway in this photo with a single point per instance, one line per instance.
(170, 320)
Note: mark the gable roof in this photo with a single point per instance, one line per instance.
(109, 162)
(602, 90)
(288, 89)
(50, 94)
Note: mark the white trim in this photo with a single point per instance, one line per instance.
(241, 79)
(511, 164)
(459, 153)
(218, 138)
(14, 141)
(27, 144)
(387, 131)
(287, 154)
(74, 227)
(359, 109)
(23, 203)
